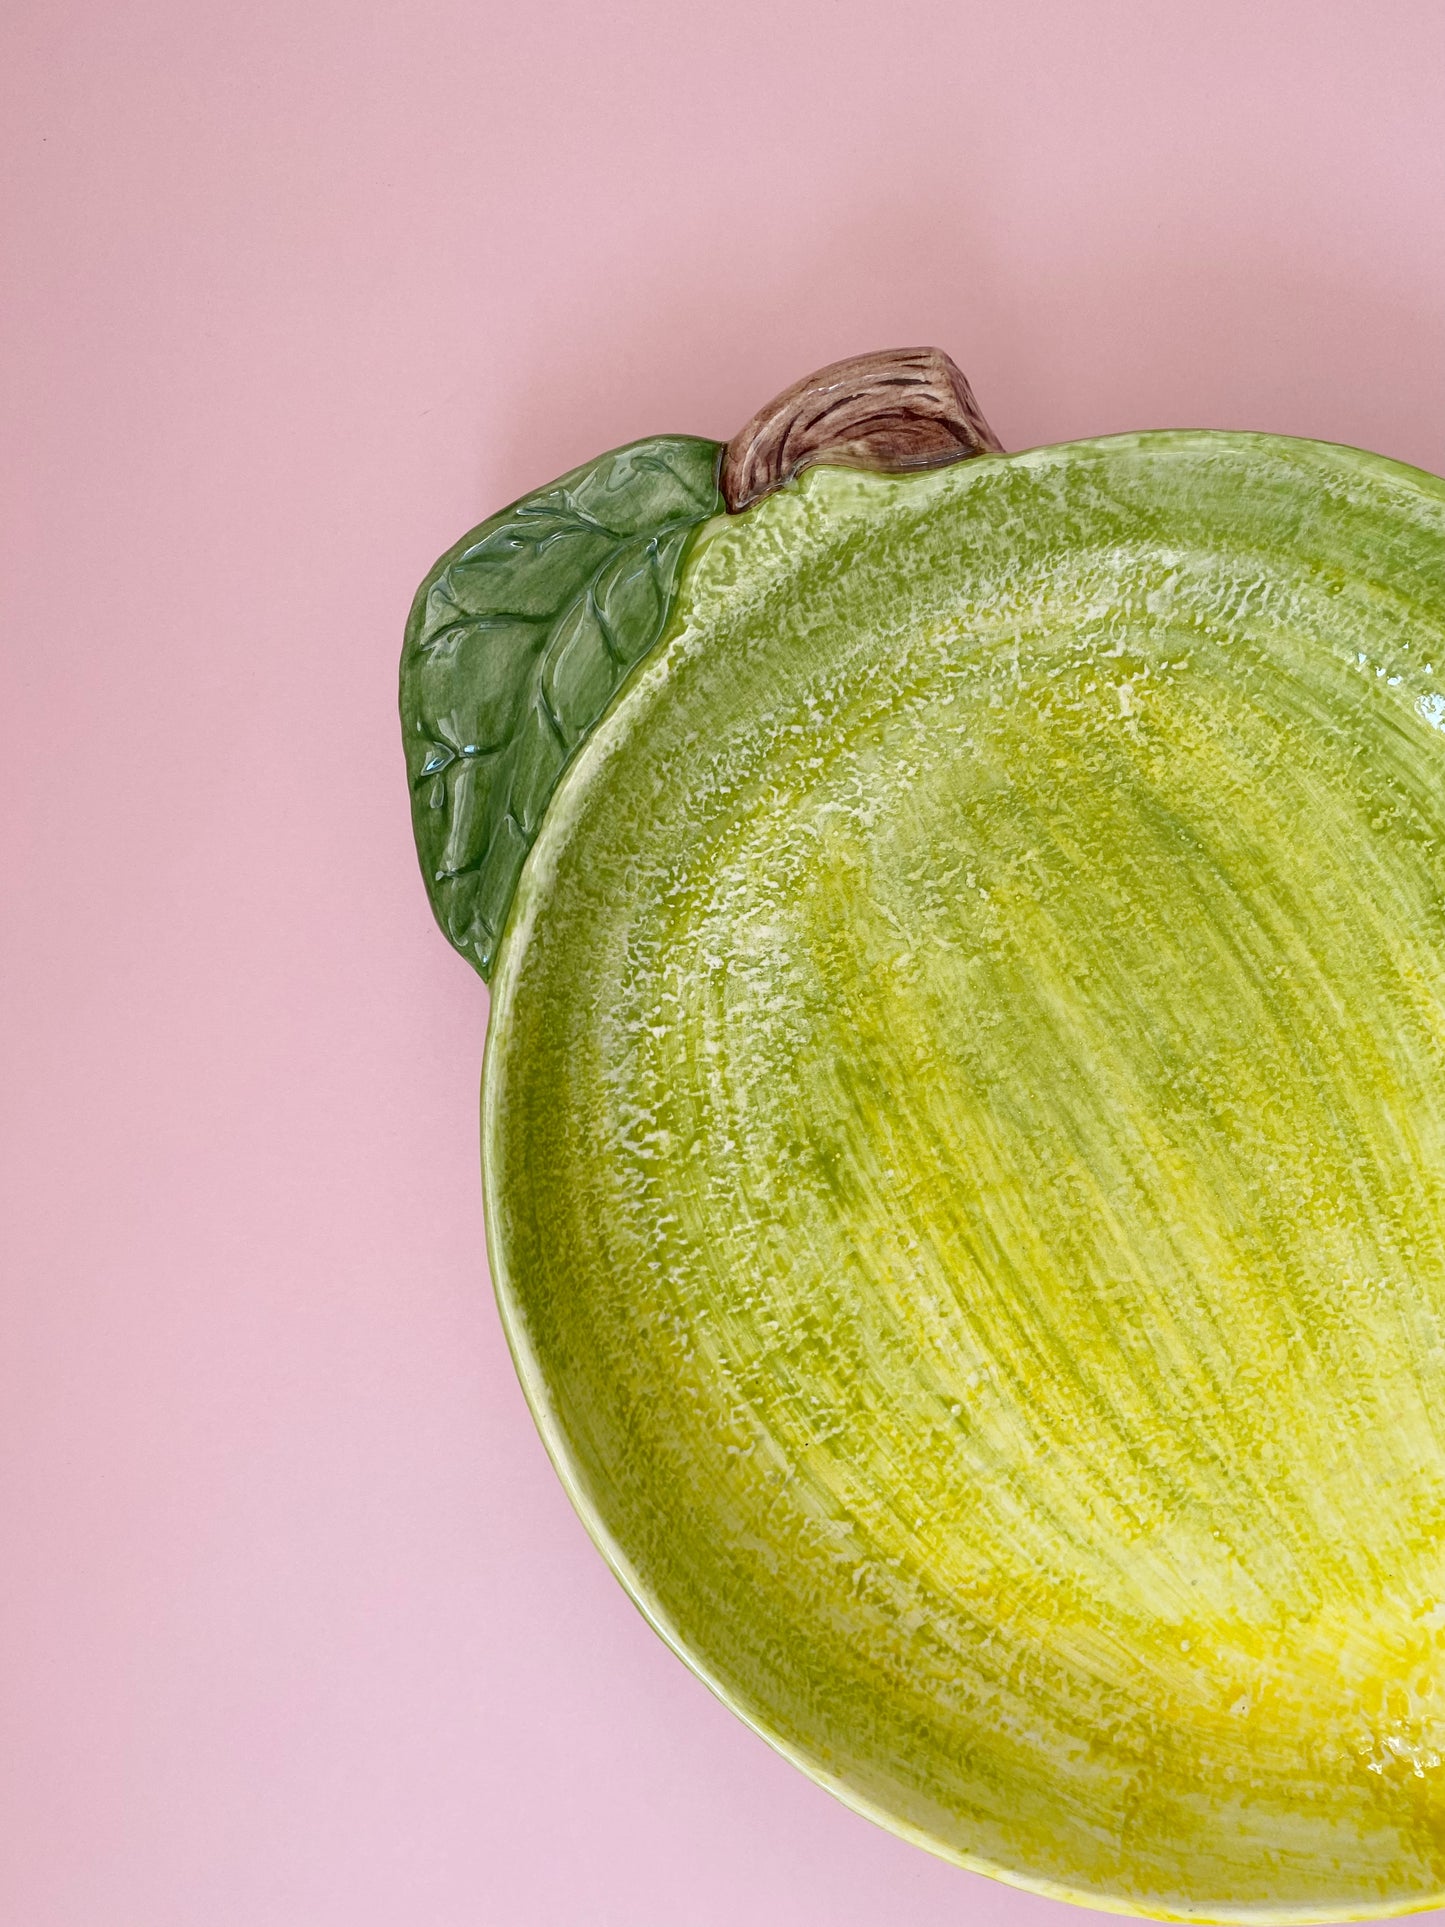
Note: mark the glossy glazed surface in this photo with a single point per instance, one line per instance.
(965, 1143)
(518, 639)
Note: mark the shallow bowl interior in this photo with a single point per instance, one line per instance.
(964, 1125)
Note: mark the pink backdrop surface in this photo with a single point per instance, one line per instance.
(296, 1627)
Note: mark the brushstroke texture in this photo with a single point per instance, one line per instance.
(965, 1136)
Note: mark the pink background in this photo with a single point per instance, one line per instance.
(296, 1628)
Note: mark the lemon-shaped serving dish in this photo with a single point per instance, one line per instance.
(964, 1124)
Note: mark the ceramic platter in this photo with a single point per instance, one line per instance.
(964, 1113)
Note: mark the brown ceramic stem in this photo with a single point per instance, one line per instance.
(900, 409)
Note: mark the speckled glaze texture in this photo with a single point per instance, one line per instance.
(964, 1124)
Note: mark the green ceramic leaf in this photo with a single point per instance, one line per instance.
(964, 1125)
(518, 640)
